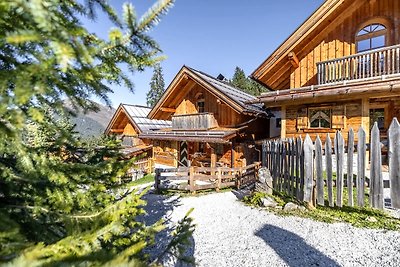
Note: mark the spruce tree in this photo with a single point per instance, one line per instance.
(157, 86)
(61, 200)
(242, 82)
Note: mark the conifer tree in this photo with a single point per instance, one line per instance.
(60, 199)
(157, 86)
(245, 84)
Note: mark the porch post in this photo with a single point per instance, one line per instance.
(365, 124)
(233, 155)
(213, 157)
(283, 122)
(365, 117)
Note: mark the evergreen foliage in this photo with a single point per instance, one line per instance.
(242, 82)
(157, 87)
(61, 200)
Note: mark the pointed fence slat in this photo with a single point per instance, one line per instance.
(301, 151)
(328, 156)
(319, 173)
(308, 169)
(339, 151)
(292, 190)
(361, 155)
(394, 162)
(376, 182)
(350, 153)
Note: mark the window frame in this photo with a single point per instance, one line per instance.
(371, 35)
(309, 111)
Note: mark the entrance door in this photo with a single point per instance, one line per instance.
(377, 115)
(183, 154)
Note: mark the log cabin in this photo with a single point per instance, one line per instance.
(127, 123)
(211, 123)
(339, 70)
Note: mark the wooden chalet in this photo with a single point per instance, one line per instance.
(211, 123)
(339, 69)
(127, 123)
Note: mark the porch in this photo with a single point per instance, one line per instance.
(194, 179)
(363, 66)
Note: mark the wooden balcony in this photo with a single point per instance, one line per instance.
(362, 66)
(198, 121)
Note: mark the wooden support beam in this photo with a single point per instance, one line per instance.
(117, 130)
(213, 158)
(170, 110)
(293, 59)
(283, 122)
(365, 117)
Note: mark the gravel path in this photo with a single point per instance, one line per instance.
(228, 233)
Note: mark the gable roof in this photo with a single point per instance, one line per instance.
(329, 13)
(232, 96)
(137, 115)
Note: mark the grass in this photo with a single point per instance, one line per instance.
(148, 178)
(364, 217)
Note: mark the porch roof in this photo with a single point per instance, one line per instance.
(347, 90)
(217, 135)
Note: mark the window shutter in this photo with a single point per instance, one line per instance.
(338, 117)
(302, 119)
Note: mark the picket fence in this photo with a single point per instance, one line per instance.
(304, 169)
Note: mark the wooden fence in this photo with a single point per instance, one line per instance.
(304, 169)
(200, 178)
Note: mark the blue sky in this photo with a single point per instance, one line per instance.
(214, 36)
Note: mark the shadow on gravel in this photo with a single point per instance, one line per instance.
(160, 207)
(292, 248)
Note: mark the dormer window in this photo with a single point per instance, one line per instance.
(371, 37)
(200, 103)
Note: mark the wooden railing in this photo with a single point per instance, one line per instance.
(309, 171)
(365, 65)
(198, 121)
(200, 178)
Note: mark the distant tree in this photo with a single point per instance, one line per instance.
(239, 79)
(242, 82)
(157, 86)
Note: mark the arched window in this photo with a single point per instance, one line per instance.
(371, 37)
(200, 103)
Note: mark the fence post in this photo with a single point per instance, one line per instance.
(376, 182)
(292, 167)
(308, 169)
(361, 155)
(350, 153)
(219, 179)
(157, 181)
(339, 151)
(192, 182)
(329, 180)
(394, 162)
(301, 154)
(318, 168)
(264, 154)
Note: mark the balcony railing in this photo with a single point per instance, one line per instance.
(365, 65)
(198, 121)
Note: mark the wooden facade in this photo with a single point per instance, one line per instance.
(211, 123)
(339, 70)
(127, 123)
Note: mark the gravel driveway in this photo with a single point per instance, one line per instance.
(228, 233)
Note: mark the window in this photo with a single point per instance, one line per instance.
(200, 103)
(371, 37)
(320, 117)
(377, 115)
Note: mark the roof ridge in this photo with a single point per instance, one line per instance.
(238, 89)
(134, 105)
